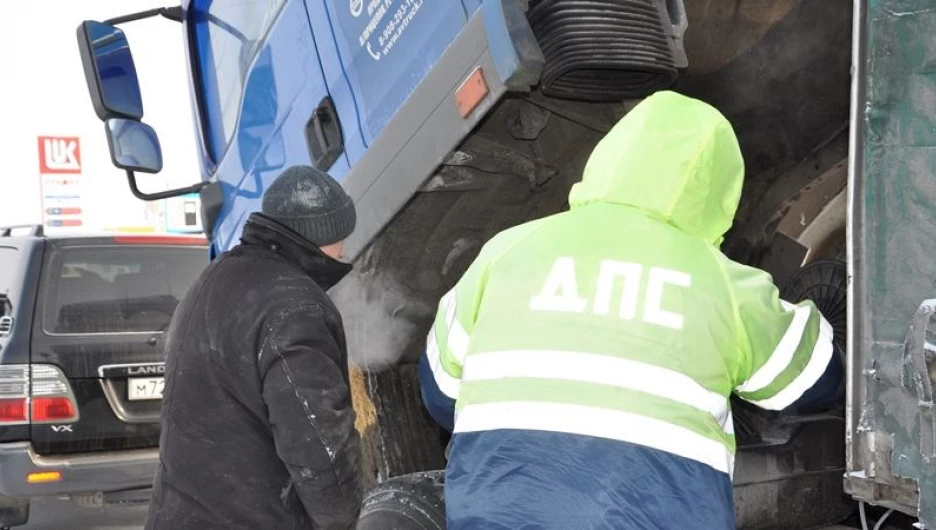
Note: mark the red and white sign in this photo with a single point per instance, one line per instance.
(60, 181)
(59, 154)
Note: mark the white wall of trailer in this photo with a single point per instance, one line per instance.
(43, 94)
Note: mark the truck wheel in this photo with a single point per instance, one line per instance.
(491, 182)
(825, 282)
(408, 502)
(797, 458)
(13, 512)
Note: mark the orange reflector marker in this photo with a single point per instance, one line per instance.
(40, 477)
(471, 93)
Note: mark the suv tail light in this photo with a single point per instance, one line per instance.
(13, 411)
(52, 398)
(35, 394)
(14, 394)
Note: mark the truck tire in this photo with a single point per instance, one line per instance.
(408, 502)
(493, 181)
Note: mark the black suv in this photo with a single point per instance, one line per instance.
(81, 362)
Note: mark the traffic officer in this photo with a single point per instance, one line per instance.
(585, 360)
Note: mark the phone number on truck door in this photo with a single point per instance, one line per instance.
(398, 23)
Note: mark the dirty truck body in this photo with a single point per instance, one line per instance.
(450, 121)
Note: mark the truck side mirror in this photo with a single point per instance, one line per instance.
(115, 93)
(109, 71)
(134, 145)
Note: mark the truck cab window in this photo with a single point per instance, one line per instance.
(228, 35)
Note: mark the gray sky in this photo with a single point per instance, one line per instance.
(43, 93)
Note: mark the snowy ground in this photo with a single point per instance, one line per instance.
(53, 514)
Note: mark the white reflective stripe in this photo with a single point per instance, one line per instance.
(598, 369)
(447, 384)
(457, 336)
(458, 342)
(782, 355)
(821, 354)
(596, 422)
(448, 306)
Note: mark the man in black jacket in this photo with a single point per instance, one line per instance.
(257, 424)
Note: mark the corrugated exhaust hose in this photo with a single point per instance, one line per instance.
(608, 50)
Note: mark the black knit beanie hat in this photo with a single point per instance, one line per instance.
(311, 203)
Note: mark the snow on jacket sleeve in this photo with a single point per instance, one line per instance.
(787, 352)
(309, 404)
(440, 369)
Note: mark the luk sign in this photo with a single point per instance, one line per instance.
(59, 155)
(60, 181)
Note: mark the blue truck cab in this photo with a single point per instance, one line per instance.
(368, 90)
(316, 82)
(449, 120)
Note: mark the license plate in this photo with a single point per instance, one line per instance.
(140, 388)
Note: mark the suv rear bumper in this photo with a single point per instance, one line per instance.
(88, 472)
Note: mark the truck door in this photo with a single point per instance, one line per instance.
(263, 101)
(386, 47)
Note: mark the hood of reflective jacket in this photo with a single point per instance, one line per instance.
(673, 157)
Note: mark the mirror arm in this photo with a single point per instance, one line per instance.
(131, 177)
(172, 13)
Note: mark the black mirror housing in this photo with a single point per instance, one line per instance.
(134, 145)
(109, 71)
(115, 94)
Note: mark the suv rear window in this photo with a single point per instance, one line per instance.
(118, 289)
(8, 265)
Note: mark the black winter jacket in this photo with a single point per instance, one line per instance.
(257, 424)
